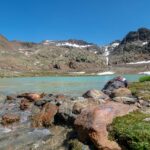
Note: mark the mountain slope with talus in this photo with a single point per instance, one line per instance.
(65, 56)
(135, 46)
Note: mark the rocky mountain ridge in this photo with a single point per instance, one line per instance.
(134, 47)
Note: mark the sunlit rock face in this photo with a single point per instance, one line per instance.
(92, 123)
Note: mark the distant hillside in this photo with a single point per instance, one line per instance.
(5, 44)
(71, 55)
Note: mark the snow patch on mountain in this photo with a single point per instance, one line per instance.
(139, 62)
(66, 43)
(145, 73)
(48, 42)
(115, 44)
(72, 45)
(144, 43)
(106, 73)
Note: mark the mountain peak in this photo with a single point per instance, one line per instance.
(142, 34)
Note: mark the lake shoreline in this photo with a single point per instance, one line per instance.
(55, 119)
(120, 69)
(67, 74)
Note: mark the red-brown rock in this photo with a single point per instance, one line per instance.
(45, 117)
(92, 123)
(9, 98)
(10, 118)
(32, 96)
(24, 104)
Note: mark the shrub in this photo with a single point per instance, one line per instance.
(131, 131)
(144, 78)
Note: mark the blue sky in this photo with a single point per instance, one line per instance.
(97, 21)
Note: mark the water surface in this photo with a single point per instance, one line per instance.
(67, 85)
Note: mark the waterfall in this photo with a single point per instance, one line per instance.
(106, 54)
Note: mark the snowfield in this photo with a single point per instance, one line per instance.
(72, 45)
(105, 73)
(146, 73)
(140, 62)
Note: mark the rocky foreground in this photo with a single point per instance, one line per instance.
(59, 122)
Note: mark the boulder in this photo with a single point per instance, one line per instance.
(10, 97)
(95, 94)
(10, 118)
(77, 107)
(92, 123)
(113, 84)
(121, 92)
(56, 66)
(34, 96)
(70, 108)
(31, 96)
(65, 114)
(73, 65)
(80, 105)
(45, 117)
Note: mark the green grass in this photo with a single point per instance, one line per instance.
(131, 131)
(144, 78)
(75, 145)
(141, 90)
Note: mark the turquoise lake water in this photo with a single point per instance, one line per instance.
(75, 86)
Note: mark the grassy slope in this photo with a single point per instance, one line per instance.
(131, 131)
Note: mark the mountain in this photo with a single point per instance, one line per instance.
(70, 42)
(135, 46)
(73, 55)
(73, 43)
(55, 56)
(142, 34)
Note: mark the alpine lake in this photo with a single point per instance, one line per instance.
(67, 85)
